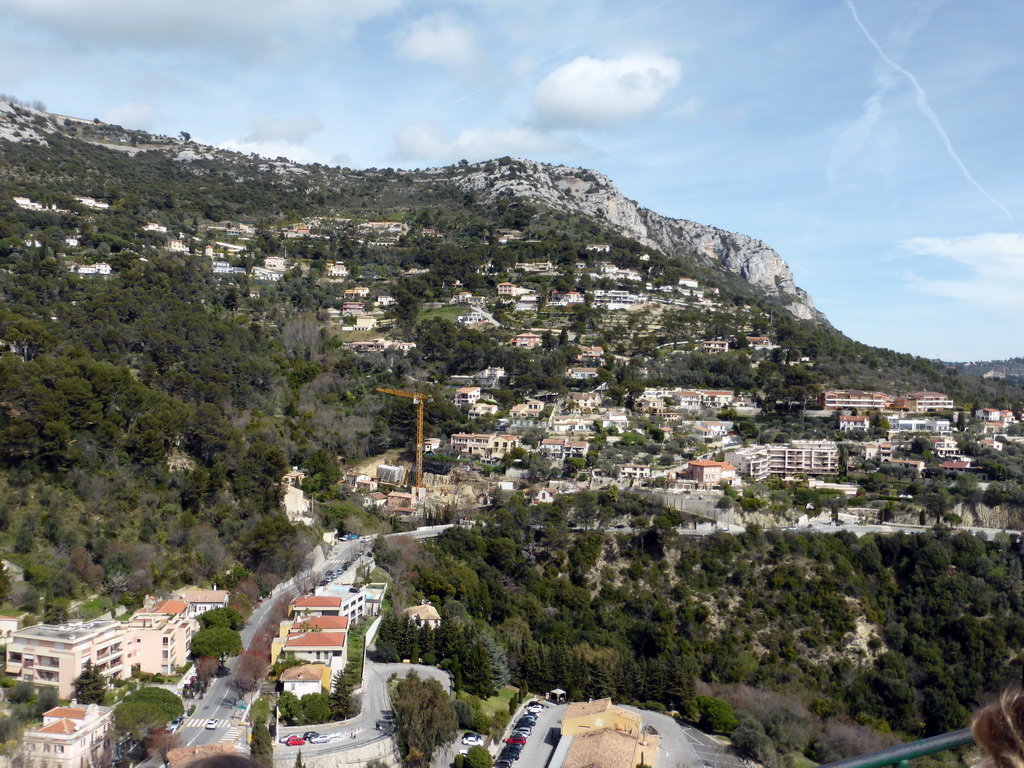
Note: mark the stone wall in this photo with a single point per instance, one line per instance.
(384, 749)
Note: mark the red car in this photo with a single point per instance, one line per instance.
(516, 740)
(294, 741)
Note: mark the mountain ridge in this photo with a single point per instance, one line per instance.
(562, 188)
(596, 196)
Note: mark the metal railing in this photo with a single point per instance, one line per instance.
(900, 755)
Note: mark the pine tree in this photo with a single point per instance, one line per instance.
(90, 686)
(262, 747)
(479, 680)
(341, 698)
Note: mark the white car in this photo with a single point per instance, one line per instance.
(472, 740)
(211, 724)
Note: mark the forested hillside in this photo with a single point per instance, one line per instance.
(154, 390)
(900, 633)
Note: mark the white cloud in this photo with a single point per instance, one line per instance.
(996, 261)
(138, 115)
(425, 141)
(441, 40)
(595, 92)
(244, 27)
(279, 137)
(290, 130)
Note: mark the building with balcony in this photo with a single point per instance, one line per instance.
(157, 643)
(55, 655)
(854, 398)
(70, 737)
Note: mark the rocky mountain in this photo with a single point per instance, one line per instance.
(575, 190)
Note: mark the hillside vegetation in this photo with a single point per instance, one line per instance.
(147, 417)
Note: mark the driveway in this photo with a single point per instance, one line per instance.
(681, 746)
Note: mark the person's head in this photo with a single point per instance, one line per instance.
(999, 730)
(226, 761)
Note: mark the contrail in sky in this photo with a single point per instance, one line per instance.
(927, 111)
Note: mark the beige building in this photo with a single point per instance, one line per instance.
(56, 655)
(424, 615)
(602, 735)
(484, 446)
(70, 737)
(200, 601)
(157, 643)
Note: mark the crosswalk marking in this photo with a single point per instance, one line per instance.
(226, 732)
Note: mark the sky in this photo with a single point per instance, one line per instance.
(875, 144)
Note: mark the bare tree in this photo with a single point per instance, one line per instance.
(161, 743)
(250, 670)
(206, 668)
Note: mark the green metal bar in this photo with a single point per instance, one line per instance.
(901, 754)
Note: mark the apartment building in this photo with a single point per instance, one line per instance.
(483, 446)
(854, 398)
(804, 457)
(925, 401)
(333, 600)
(55, 655)
(157, 643)
(70, 737)
(799, 457)
(752, 461)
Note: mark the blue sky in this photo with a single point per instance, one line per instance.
(877, 145)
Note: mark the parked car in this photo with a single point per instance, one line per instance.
(516, 740)
(294, 741)
(176, 723)
(524, 731)
(321, 738)
(211, 724)
(310, 735)
(473, 740)
(535, 707)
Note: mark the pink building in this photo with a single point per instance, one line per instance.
(55, 656)
(704, 472)
(157, 643)
(526, 340)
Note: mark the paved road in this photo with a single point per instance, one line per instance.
(219, 701)
(376, 706)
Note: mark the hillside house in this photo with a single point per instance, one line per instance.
(467, 396)
(306, 679)
(714, 346)
(483, 446)
(526, 341)
(479, 410)
(854, 423)
(708, 473)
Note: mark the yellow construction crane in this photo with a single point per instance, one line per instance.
(420, 400)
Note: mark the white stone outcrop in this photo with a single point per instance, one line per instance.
(592, 194)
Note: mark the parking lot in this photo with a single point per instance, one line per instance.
(680, 746)
(542, 741)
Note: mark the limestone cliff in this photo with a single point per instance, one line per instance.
(592, 194)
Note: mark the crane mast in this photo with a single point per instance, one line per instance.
(419, 399)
